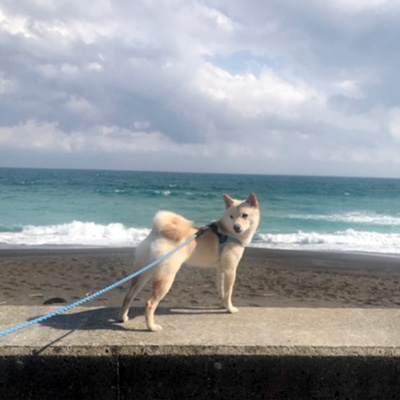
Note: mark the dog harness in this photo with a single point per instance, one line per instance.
(222, 239)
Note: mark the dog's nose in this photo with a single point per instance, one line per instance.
(237, 228)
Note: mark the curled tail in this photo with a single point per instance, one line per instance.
(172, 226)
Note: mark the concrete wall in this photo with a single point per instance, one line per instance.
(199, 377)
(259, 353)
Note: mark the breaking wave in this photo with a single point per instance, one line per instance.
(76, 234)
(348, 240)
(90, 234)
(353, 217)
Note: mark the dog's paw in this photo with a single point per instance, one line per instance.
(123, 318)
(155, 328)
(233, 310)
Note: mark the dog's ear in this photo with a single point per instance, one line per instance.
(252, 200)
(228, 200)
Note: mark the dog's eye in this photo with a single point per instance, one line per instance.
(231, 216)
(244, 216)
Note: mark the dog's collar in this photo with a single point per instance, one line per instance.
(223, 239)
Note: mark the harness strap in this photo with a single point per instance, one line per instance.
(222, 239)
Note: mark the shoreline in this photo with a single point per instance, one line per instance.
(60, 249)
(344, 259)
(266, 278)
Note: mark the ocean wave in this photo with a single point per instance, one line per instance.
(89, 234)
(75, 233)
(164, 193)
(353, 217)
(348, 240)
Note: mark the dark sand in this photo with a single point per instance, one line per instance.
(266, 278)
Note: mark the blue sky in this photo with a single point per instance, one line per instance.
(274, 87)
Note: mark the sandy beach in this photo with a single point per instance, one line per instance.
(266, 278)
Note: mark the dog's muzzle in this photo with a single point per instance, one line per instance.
(237, 228)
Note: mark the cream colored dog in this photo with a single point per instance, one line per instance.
(221, 245)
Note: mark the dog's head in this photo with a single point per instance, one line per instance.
(241, 218)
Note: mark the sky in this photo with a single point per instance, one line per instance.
(304, 87)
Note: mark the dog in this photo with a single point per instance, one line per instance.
(221, 244)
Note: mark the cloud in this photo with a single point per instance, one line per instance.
(278, 87)
(43, 136)
(251, 95)
(6, 86)
(357, 6)
(394, 123)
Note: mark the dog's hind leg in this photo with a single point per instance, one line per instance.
(136, 286)
(220, 283)
(160, 288)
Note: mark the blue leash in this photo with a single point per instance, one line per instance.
(99, 292)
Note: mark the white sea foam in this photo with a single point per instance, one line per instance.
(353, 217)
(165, 193)
(76, 233)
(88, 234)
(349, 240)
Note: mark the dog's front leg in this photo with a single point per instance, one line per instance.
(229, 261)
(229, 277)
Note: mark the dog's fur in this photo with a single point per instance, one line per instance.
(240, 221)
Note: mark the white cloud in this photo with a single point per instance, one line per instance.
(14, 25)
(47, 136)
(252, 95)
(349, 88)
(69, 69)
(42, 136)
(81, 106)
(219, 18)
(6, 85)
(48, 71)
(283, 88)
(94, 66)
(114, 139)
(356, 6)
(394, 122)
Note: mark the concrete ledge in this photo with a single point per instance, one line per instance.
(272, 353)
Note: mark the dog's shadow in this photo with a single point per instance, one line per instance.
(107, 318)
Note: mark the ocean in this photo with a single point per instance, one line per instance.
(91, 208)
